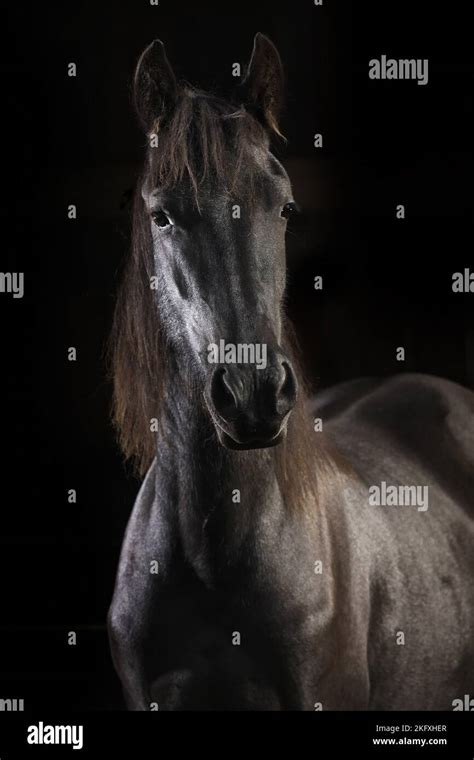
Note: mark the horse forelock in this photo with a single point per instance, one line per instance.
(205, 139)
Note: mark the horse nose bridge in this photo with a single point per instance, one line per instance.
(246, 304)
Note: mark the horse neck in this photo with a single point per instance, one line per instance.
(223, 496)
(229, 504)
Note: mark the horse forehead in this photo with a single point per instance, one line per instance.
(260, 168)
(217, 201)
(267, 177)
(268, 166)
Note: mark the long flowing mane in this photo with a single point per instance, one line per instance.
(204, 137)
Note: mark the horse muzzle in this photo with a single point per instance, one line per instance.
(250, 406)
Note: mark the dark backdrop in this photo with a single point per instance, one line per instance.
(387, 283)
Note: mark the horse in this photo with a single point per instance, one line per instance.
(279, 555)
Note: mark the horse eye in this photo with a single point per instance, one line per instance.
(160, 219)
(289, 209)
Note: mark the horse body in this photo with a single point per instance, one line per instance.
(255, 571)
(306, 638)
(414, 429)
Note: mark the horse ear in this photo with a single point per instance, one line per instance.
(155, 88)
(262, 89)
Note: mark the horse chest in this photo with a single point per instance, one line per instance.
(234, 651)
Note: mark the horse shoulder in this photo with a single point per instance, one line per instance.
(144, 568)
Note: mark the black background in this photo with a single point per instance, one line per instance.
(387, 282)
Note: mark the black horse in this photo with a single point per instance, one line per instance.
(268, 565)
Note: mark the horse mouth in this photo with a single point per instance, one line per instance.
(228, 442)
(238, 435)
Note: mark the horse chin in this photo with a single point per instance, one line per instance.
(230, 443)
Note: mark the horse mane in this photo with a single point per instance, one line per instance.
(203, 137)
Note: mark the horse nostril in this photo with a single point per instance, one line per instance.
(286, 393)
(222, 395)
